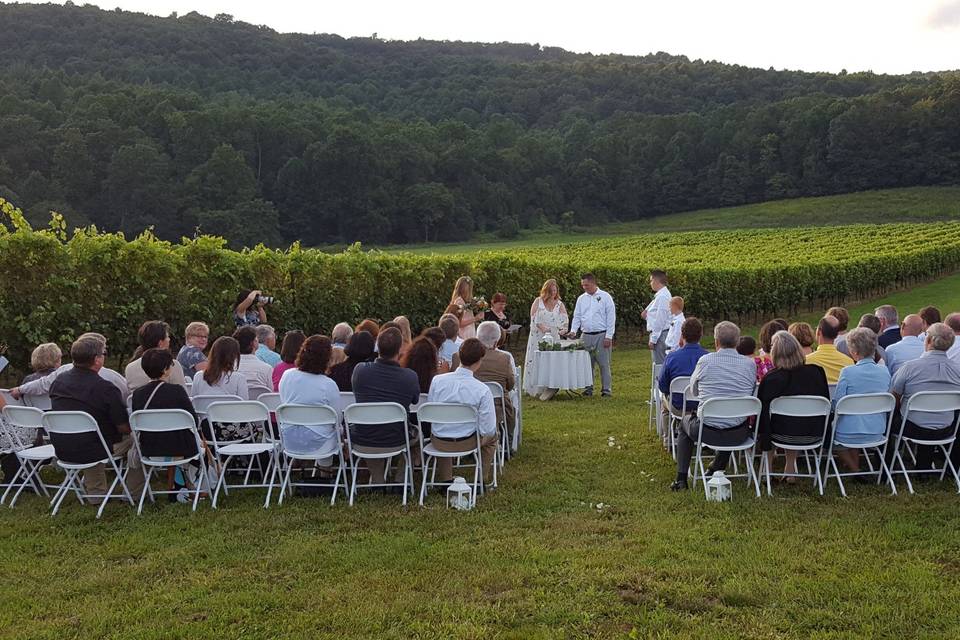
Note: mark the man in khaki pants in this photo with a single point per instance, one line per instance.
(462, 387)
(82, 389)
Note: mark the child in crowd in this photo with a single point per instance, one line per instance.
(676, 321)
(747, 346)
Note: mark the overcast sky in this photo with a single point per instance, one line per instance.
(886, 36)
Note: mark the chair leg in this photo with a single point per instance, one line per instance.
(63, 491)
(353, 485)
(269, 478)
(221, 482)
(146, 488)
(885, 469)
(816, 459)
(423, 483)
(906, 474)
(765, 470)
(202, 473)
(751, 472)
(286, 482)
(106, 498)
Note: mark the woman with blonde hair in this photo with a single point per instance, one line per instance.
(403, 323)
(548, 316)
(461, 297)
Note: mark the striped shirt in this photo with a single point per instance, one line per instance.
(724, 374)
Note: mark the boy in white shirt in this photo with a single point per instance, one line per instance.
(676, 321)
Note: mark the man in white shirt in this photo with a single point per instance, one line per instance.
(910, 346)
(450, 326)
(257, 372)
(595, 316)
(460, 386)
(657, 314)
(676, 322)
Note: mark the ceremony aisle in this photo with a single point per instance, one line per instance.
(582, 539)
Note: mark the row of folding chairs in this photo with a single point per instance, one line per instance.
(819, 455)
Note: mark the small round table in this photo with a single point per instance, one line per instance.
(565, 370)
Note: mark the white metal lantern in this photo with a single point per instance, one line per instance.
(719, 488)
(460, 495)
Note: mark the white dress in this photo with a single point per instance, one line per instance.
(557, 321)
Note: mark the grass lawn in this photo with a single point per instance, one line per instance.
(536, 559)
(912, 204)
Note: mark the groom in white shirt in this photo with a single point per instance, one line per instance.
(657, 314)
(596, 317)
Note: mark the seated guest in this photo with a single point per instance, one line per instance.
(676, 321)
(462, 387)
(292, 341)
(843, 317)
(191, 356)
(153, 334)
(953, 321)
(889, 325)
(682, 361)
(500, 347)
(495, 367)
(791, 376)
(390, 324)
(359, 349)
(370, 326)
(44, 360)
(826, 355)
(747, 346)
(866, 376)
(450, 326)
(41, 386)
(909, 347)
(160, 394)
(403, 323)
(82, 389)
(497, 311)
(872, 322)
(308, 384)
(340, 335)
(437, 337)
(222, 378)
(721, 374)
(930, 316)
(803, 332)
(384, 380)
(765, 339)
(266, 343)
(257, 372)
(933, 371)
(422, 358)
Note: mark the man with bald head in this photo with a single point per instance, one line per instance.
(826, 356)
(910, 346)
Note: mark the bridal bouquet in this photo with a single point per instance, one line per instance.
(477, 305)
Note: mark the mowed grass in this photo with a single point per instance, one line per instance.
(913, 204)
(536, 559)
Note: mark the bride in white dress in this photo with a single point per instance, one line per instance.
(548, 316)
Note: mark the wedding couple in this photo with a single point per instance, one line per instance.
(594, 316)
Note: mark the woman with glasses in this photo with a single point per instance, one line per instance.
(191, 356)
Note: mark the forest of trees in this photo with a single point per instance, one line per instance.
(193, 123)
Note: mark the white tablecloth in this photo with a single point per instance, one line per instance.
(563, 369)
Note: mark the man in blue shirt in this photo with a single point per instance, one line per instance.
(682, 361)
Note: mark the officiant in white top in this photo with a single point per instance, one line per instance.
(595, 316)
(657, 314)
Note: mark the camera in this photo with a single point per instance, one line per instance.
(264, 299)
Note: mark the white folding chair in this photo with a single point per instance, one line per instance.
(9, 399)
(439, 413)
(503, 434)
(270, 400)
(928, 402)
(518, 404)
(254, 391)
(863, 404)
(346, 399)
(798, 407)
(653, 400)
(40, 401)
(681, 385)
(188, 385)
(373, 414)
(313, 418)
(832, 389)
(742, 408)
(201, 402)
(78, 423)
(233, 411)
(23, 426)
(167, 421)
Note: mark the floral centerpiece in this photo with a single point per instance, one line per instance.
(549, 343)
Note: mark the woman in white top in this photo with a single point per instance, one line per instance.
(548, 316)
(307, 384)
(461, 298)
(222, 379)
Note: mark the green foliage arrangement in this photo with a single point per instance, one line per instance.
(53, 287)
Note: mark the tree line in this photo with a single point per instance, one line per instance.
(190, 123)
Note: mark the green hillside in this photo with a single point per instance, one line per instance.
(913, 204)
